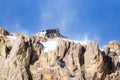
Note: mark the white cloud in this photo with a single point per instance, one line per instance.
(61, 14)
(19, 29)
(86, 37)
(57, 13)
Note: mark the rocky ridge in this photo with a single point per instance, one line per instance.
(48, 55)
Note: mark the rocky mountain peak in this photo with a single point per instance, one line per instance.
(50, 33)
(3, 31)
(48, 55)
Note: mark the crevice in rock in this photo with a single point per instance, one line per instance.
(66, 51)
(42, 76)
(28, 67)
(83, 73)
(81, 56)
(27, 44)
(72, 59)
(72, 76)
(29, 73)
(34, 57)
(118, 66)
(110, 65)
(82, 61)
(8, 49)
(62, 63)
(94, 77)
(75, 69)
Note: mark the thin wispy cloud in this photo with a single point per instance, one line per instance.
(20, 29)
(86, 37)
(57, 14)
(15, 28)
(62, 14)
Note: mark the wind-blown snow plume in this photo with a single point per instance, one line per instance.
(57, 14)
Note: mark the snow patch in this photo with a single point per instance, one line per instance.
(81, 42)
(39, 69)
(113, 41)
(112, 50)
(119, 58)
(49, 67)
(103, 47)
(11, 37)
(50, 45)
(42, 34)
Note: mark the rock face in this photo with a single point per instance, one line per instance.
(3, 31)
(49, 56)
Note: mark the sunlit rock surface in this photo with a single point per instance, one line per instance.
(48, 55)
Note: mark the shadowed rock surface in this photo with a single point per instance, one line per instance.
(48, 55)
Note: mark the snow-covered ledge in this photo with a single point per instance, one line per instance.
(50, 45)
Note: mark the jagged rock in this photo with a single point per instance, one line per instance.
(3, 31)
(114, 46)
(51, 33)
(94, 62)
(50, 56)
(48, 34)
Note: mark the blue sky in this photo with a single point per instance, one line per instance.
(97, 20)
